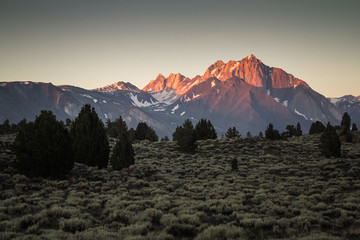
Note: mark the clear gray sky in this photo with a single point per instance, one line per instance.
(95, 43)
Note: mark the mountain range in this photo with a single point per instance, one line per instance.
(246, 94)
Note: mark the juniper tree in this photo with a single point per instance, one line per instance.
(90, 141)
(354, 128)
(232, 133)
(271, 133)
(5, 128)
(346, 122)
(330, 144)
(298, 131)
(123, 153)
(165, 139)
(144, 132)
(205, 130)
(316, 127)
(131, 135)
(348, 136)
(261, 135)
(43, 148)
(68, 122)
(151, 135)
(140, 131)
(114, 129)
(290, 131)
(185, 136)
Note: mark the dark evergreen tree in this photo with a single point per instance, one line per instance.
(290, 131)
(131, 135)
(151, 135)
(185, 136)
(114, 129)
(348, 136)
(140, 131)
(298, 132)
(5, 128)
(144, 132)
(122, 154)
(346, 122)
(345, 128)
(248, 135)
(21, 124)
(68, 122)
(90, 141)
(17, 127)
(316, 127)
(354, 128)
(261, 135)
(330, 144)
(271, 133)
(43, 148)
(205, 130)
(232, 133)
(284, 135)
(165, 139)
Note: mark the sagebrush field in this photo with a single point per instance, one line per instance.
(281, 189)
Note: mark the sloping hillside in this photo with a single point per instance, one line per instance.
(282, 189)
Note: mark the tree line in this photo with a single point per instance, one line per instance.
(7, 128)
(48, 147)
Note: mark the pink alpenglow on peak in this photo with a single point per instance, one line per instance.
(250, 69)
(173, 81)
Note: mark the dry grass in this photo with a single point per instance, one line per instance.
(282, 189)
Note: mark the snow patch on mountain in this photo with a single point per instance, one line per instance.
(213, 84)
(66, 109)
(182, 113)
(235, 66)
(159, 110)
(268, 92)
(195, 96)
(285, 103)
(87, 96)
(277, 99)
(194, 83)
(334, 100)
(175, 108)
(300, 114)
(137, 103)
(95, 100)
(165, 97)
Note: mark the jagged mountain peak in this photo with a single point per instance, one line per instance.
(173, 81)
(219, 63)
(251, 57)
(160, 76)
(250, 69)
(117, 86)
